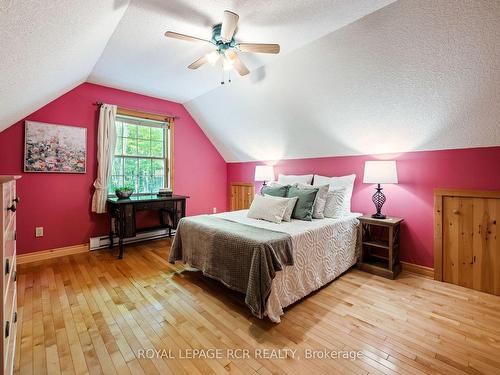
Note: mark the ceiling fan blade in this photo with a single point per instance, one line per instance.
(171, 34)
(259, 47)
(195, 65)
(229, 22)
(237, 63)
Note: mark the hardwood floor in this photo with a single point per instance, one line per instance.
(91, 313)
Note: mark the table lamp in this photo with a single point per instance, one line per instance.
(264, 173)
(380, 172)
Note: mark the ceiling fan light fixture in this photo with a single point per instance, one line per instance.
(227, 64)
(212, 57)
(227, 47)
(230, 56)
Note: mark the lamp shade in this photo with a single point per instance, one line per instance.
(380, 172)
(264, 173)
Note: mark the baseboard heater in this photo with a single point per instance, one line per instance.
(101, 242)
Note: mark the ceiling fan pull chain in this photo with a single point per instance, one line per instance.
(222, 70)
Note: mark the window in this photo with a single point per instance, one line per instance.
(141, 157)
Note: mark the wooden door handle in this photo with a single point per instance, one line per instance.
(456, 211)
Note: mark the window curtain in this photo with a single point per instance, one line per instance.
(106, 141)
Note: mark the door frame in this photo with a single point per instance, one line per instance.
(439, 195)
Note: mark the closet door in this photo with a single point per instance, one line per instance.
(471, 249)
(486, 268)
(458, 234)
(241, 195)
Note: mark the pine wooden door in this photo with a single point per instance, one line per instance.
(470, 247)
(486, 244)
(241, 195)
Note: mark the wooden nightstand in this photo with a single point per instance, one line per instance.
(380, 246)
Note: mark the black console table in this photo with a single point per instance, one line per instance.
(171, 210)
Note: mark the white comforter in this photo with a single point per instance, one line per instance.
(323, 249)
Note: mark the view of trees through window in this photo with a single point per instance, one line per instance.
(140, 159)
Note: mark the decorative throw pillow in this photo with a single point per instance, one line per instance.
(295, 179)
(275, 190)
(336, 183)
(274, 184)
(320, 201)
(287, 216)
(335, 206)
(267, 208)
(304, 207)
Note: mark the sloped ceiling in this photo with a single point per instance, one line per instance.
(48, 48)
(415, 75)
(358, 76)
(139, 58)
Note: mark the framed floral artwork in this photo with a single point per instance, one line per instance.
(54, 148)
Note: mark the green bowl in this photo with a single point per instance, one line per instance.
(124, 194)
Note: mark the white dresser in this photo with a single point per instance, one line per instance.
(8, 241)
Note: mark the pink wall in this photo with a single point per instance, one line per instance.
(55, 202)
(412, 199)
(61, 202)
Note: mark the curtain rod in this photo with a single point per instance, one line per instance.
(98, 104)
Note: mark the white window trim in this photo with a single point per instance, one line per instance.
(167, 142)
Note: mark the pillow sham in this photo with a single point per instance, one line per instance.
(294, 179)
(275, 190)
(319, 202)
(274, 184)
(336, 183)
(267, 208)
(335, 206)
(287, 216)
(304, 207)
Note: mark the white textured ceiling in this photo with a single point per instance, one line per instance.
(139, 58)
(49, 47)
(415, 75)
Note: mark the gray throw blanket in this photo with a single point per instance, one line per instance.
(242, 257)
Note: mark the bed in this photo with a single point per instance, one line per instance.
(323, 249)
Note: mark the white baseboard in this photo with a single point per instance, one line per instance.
(101, 242)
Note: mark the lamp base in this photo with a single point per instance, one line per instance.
(262, 187)
(379, 200)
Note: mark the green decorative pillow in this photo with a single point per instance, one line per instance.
(275, 190)
(304, 208)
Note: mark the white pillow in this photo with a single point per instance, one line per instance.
(295, 179)
(267, 209)
(319, 201)
(275, 184)
(336, 183)
(287, 216)
(335, 204)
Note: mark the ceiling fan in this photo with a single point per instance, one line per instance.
(226, 47)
